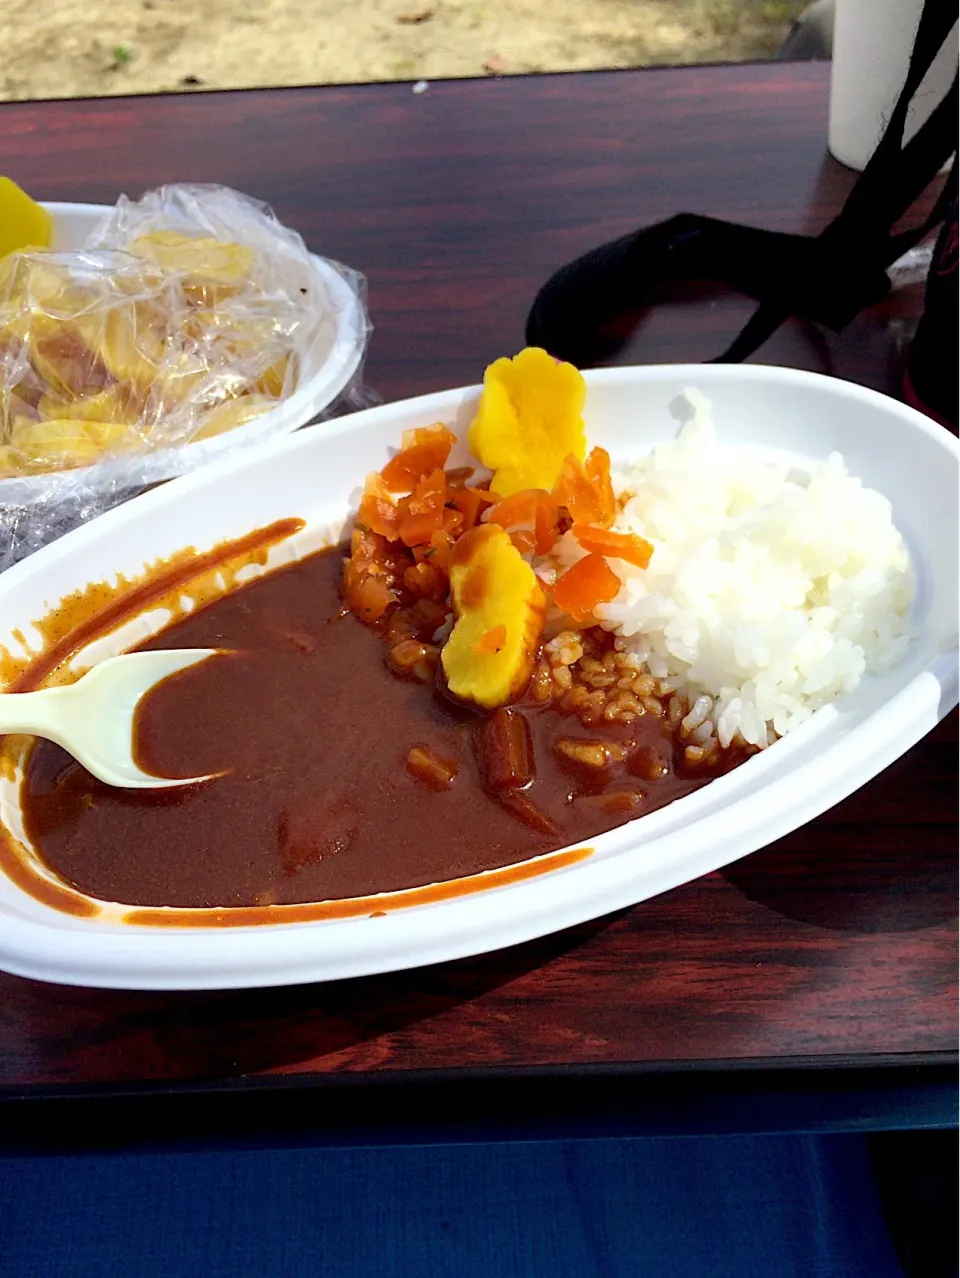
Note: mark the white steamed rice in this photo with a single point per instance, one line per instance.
(769, 593)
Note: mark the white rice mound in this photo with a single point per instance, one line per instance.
(770, 592)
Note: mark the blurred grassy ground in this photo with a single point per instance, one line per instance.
(74, 48)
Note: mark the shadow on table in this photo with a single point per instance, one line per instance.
(213, 1034)
(841, 873)
(822, 876)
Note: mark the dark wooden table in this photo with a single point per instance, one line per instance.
(834, 947)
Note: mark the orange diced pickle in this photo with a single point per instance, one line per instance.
(531, 509)
(425, 450)
(421, 514)
(425, 581)
(627, 546)
(437, 436)
(545, 526)
(414, 660)
(377, 508)
(436, 551)
(575, 491)
(416, 530)
(452, 522)
(364, 544)
(420, 621)
(367, 597)
(519, 510)
(429, 616)
(378, 557)
(430, 494)
(524, 540)
(492, 641)
(589, 582)
(469, 501)
(597, 470)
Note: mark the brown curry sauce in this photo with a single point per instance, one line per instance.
(318, 804)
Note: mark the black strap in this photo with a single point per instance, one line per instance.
(585, 311)
(894, 178)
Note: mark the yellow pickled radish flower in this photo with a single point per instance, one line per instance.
(65, 443)
(23, 222)
(529, 419)
(233, 413)
(499, 610)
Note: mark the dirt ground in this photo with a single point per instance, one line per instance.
(74, 48)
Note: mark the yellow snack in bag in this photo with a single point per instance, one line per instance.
(65, 443)
(115, 404)
(211, 269)
(233, 413)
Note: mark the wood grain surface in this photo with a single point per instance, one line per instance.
(837, 942)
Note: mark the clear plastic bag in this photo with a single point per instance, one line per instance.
(192, 323)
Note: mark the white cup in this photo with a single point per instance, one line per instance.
(872, 41)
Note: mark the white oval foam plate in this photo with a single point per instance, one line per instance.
(325, 373)
(315, 475)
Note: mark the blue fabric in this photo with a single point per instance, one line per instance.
(731, 1207)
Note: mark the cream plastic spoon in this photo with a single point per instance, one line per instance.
(93, 719)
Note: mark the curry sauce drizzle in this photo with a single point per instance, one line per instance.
(96, 610)
(88, 614)
(352, 907)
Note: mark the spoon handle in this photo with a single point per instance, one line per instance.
(38, 714)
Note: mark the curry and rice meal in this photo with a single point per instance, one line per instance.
(501, 661)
